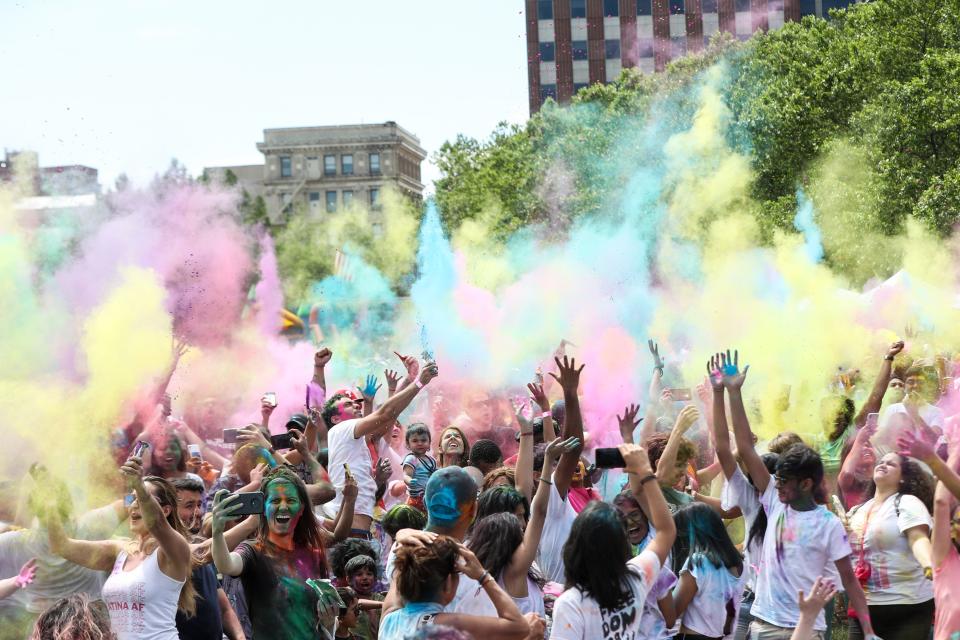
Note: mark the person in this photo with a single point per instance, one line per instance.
(77, 617)
(581, 492)
(273, 568)
(606, 588)
(915, 410)
(248, 466)
(500, 477)
(345, 551)
(26, 575)
(418, 465)
(349, 614)
(362, 577)
(859, 459)
(821, 592)
(347, 443)
(168, 457)
(890, 536)
(503, 500)
(402, 516)
(453, 448)
(148, 580)
(486, 456)
(425, 582)
(708, 593)
(803, 538)
(739, 490)
(507, 546)
(214, 616)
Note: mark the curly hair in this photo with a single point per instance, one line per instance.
(914, 481)
(346, 550)
(501, 472)
(330, 408)
(76, 617)
(658, 442)
(419, 572)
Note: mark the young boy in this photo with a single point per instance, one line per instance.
(803, 539)
(362, 576)
(347, 619)
(418, 465)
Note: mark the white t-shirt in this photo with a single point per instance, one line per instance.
(716, 586)
(651, 620)
(738, 492)
(556, 530)
(799, 546)
(896, 415)
(342, 448)
(895, 575)
(579, 617)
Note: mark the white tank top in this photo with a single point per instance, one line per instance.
(530, 603)
(142, 602)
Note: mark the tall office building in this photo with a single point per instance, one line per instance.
(573, 43)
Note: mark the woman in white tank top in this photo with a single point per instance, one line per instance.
(149, 577)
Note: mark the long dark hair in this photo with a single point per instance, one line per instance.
(914, 481)
(164, 440)
(501, 500)
(307, 534)
(759, 527)
(700, 531)
(595, 556)
(494, 540)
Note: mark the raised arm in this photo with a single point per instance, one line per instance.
(721, 433)
(628, 423)
(229, 563)
(11, 585)
(847, 477)
(174, 556)
(875, 399)
(653, 396)
(668, 459)
(643, 485)
(369, 392)
(569, 380)
(179, 348)
(320, 490)
(910, 445)
(526, 553)
(540, 397)
(733, 380)
(524, 468)
(344, 520)
(381, 419)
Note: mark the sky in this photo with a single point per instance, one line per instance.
(127, 85)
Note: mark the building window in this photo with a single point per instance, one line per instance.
(611, 8)
(708, 6)
(611, 49)
(644, 7)
(676, 6)
(347, 198)
(579, 49)
(346, 164)
(545, 9)
(314, 196)
(374, 197)
(548, 51)
(374, 165)
(646, 48)
(743, 5)
(286, 168)
(578, 8)
(547, 91)
(331, 201)
(329, 165)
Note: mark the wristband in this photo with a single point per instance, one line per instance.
(526, 435)
(888, 357)
(647, 479)
(483, 577)
(419, 384)
(546, 414)
(545, 481)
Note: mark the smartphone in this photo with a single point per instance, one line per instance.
(140, 448)
(282, 441)
(680, 395)
(609, 458)
(230, 435)
(194, 450)
(873, 419)
(346, 471)
(250, 503)
(271, 398)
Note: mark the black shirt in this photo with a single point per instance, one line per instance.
(208, 622)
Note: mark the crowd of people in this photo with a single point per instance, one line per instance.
(353, 522)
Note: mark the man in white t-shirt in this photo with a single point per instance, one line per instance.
(347, 439)
(915, 412)
(803, 539)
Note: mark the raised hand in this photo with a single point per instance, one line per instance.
(569, 377)
(715, 372)
(687, 418)
(384, 469)
(299, 442)
(370, 388)
(224, 505)
(895, 349)
(429, 373)
(411, 364)
(180, 348)
(636, 459)
(628, 422)
(322, 357)
(350, 489)
(914, 447)
(393, 381)
(559, 447)
(520, 412)
(257, 473)
(132, 472)
(27, 573)
(539, 396)
(733, 377)
(655, 352)
(251, 434)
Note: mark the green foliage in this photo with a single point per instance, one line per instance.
(301, 255)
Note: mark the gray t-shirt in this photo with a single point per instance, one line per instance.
(56, 578)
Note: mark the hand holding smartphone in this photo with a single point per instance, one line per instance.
(609, 458)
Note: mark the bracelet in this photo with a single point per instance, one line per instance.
(483, 577)
(525, 435)
(419, 384)
(888, 357)
(545, 481)
(546, 414)
(647, 479)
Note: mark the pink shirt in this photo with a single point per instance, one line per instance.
(946, 593)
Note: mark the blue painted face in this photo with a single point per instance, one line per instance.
(283, 506)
